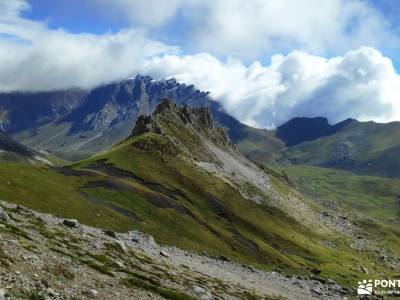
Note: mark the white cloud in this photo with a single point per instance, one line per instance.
(37, 58)
(362, 84)
(249, 28)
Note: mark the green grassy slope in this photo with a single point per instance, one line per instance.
(181, 205)
(205, 213)
(152, 182)
(360, 147)
(378, 197)
(259, 144)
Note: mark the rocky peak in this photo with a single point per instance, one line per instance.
(200, 117)
(199, 121)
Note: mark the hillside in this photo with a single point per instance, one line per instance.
(179, 178)
(47, 257)
(360, 147)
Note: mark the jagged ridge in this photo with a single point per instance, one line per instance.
(189, 129)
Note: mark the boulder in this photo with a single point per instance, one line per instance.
(72, 223)
(92, 293)
(110, 233)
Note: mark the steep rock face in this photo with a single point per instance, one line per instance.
(21, 111)
(116, 102)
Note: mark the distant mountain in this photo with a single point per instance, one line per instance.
(74, 124)
(360, 147)
(21, 111)
(299, 130)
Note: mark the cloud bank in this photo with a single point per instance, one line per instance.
(361, 84)
(253, 27)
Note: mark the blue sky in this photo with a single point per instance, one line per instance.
(79, 16)
(264, 60)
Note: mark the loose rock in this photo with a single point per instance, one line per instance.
(3, 216)
(201, 293)
(92, 293)
(72, 223)
(110, 233)
(163, 253)
(121, 244)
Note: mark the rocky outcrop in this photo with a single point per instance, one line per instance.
(197, 122)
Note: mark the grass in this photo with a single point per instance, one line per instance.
(179, 204)
(47, 190)
(162, 291)
(377, 197)
(14, 230)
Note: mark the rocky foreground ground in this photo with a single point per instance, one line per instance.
(47, 257)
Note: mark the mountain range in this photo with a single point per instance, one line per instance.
(74, 124)
(312, 199)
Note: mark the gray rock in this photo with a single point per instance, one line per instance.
(120, 264)
(121, 244)
(50, 291)
(163, 253)
(92, 293)
(149, 240)
(72, 223)
(317, 291)
(3, 216)
(110, 233)
(2, 294)
(201, 293)
(97, 246)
